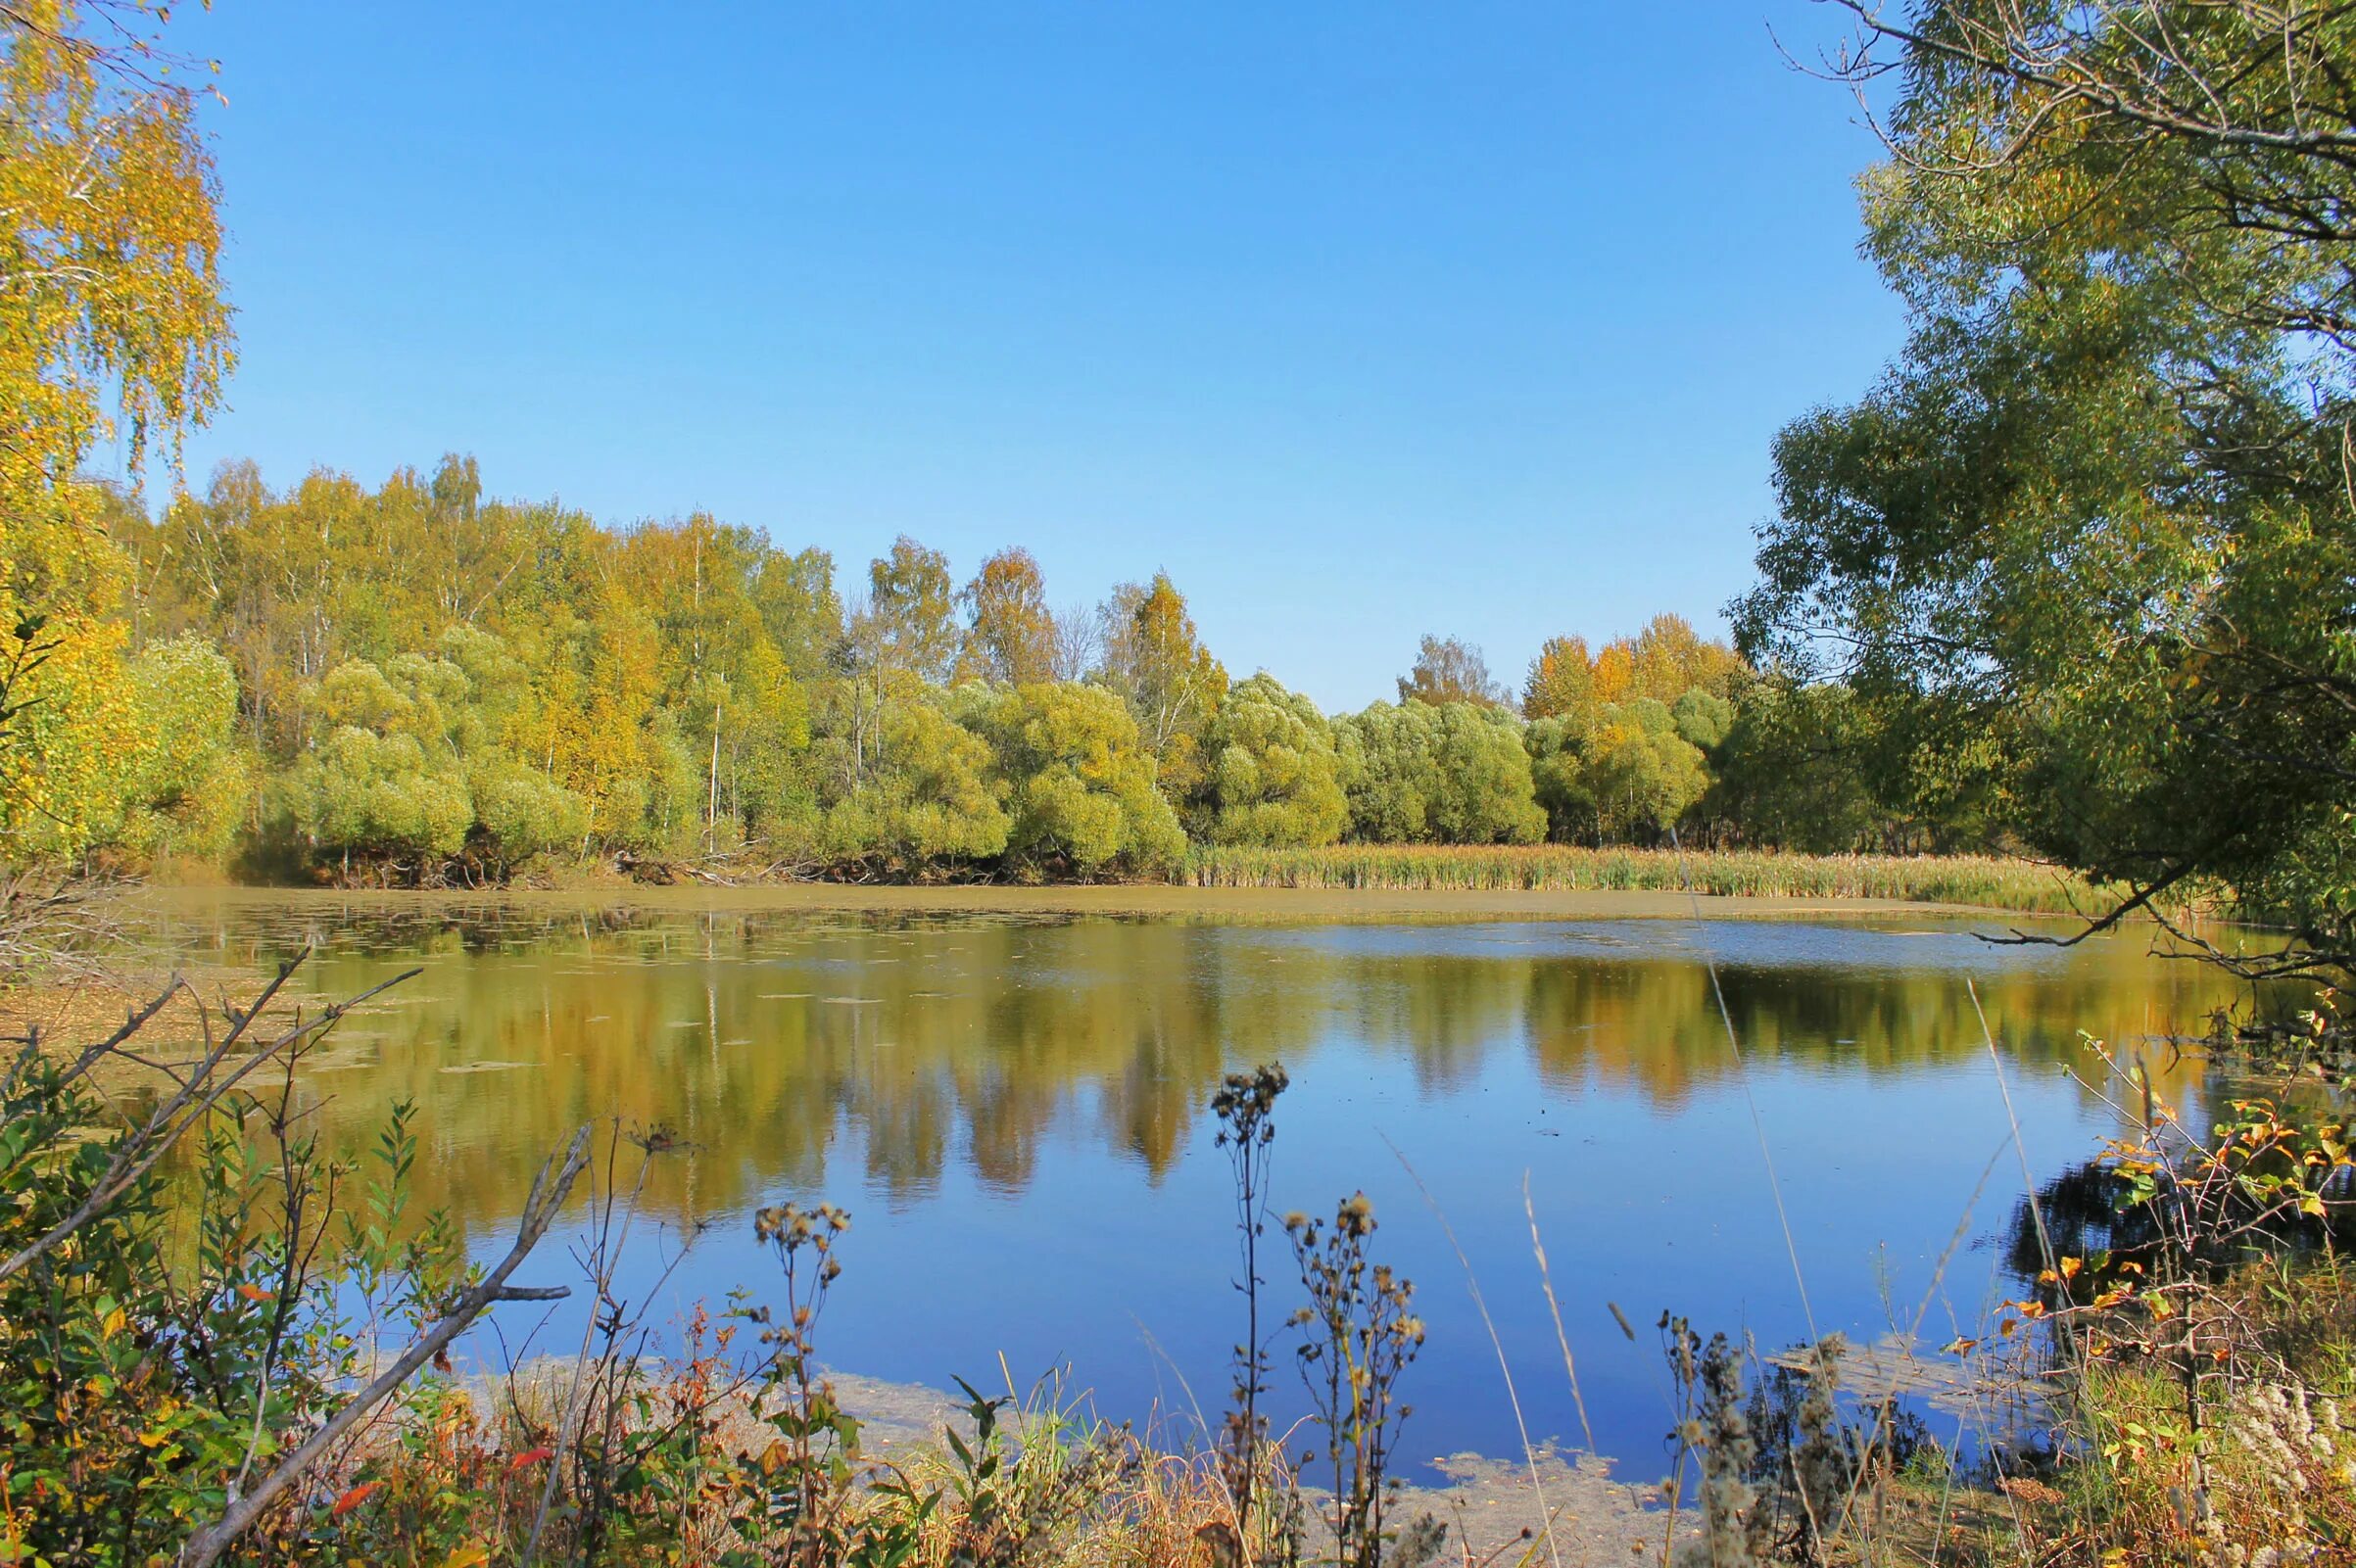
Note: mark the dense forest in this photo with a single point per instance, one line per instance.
(420, 683)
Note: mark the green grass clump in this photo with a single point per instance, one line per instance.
(1981, 880)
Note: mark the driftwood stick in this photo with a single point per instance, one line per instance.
(549, 1189)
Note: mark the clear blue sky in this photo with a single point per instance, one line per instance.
(1361, 319)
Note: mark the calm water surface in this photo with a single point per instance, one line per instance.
(1015, 1110)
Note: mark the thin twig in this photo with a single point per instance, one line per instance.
(549, 1189)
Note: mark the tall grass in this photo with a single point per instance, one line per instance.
(1982, 881)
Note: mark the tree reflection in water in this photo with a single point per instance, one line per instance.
(1019, 1110)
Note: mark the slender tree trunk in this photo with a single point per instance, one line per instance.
(711, 801)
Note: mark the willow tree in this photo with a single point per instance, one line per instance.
(2089, 548)
(112, 324)
(1457, 773)
(1079, 781)
(931, 793)
(1270, 773)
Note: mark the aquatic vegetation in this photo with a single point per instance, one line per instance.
(1976, 881)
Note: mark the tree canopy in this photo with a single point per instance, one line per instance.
(113, 323)
(1448, 669)
(2084, 553)
(423, 681)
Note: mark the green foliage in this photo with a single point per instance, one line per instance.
(1272, 777)
(1701, 717)
(385, 780)
(191, 1325)
(2084, 547)
(931, 793)
(186, 791)
(1080, 782)
(1485, 796)
(1789, 769)
(1456, 773)
(432, 684)
(520, 814)
(1638, 775)
(907, 623)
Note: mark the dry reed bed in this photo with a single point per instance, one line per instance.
(1984, 882)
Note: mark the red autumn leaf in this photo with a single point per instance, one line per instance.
(530, 1456)
(354, 1497)
(252, 1293)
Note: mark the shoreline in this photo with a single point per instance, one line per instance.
(1108, 899)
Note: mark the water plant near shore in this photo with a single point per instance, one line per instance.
(1975, 880)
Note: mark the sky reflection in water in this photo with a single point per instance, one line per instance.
(1015, 1110)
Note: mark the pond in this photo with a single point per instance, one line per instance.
(1013, 1105)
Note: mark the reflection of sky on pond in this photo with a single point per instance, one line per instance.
(1016, 1113)
(1860, 947)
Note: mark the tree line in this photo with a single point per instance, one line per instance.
(2077, 568)
(420, 681)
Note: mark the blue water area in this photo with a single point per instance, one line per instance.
(1016, 1112)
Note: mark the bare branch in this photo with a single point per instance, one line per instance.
(549, 1190)
(145, 1147)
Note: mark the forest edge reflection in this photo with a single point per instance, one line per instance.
(763, 1036)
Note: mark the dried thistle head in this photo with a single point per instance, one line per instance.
(1245, 1103)
(1356, 1215)
(791, 1227)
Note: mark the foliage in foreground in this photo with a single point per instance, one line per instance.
(195, 1367)
(2182, 1368)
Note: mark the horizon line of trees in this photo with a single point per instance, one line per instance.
(418, 681)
